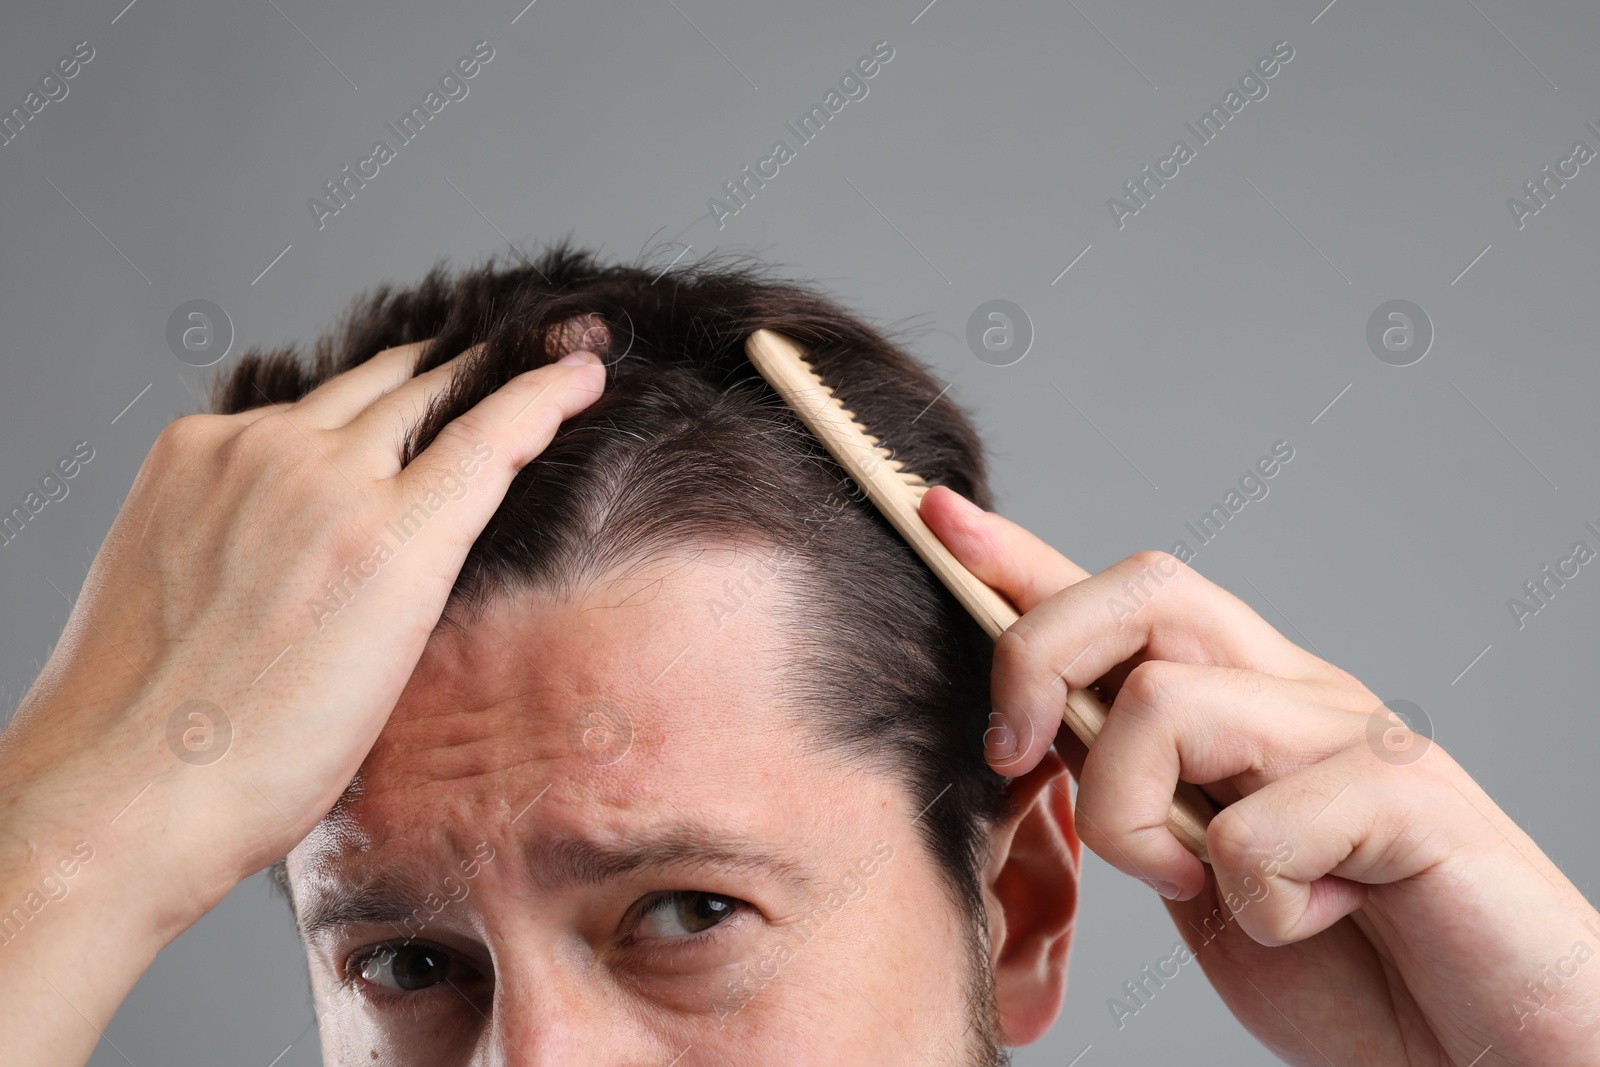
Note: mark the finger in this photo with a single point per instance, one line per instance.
(1003, 555)
(1305, 848)
(385, 420)
(494, 440)
(1149, 603)
(341, 398)
(1179, 721)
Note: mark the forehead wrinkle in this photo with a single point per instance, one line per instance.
(572, 861)
(433, 742)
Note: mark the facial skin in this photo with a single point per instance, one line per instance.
(554, 773)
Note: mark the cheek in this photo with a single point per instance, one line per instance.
(348, 1035)
(353, 1036)
(894, 949)
(801, 1017)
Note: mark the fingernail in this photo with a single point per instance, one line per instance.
(574, 359)
(966, 505)
(1166, 889)
(1000, 740)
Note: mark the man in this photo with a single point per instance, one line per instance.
(590, 716)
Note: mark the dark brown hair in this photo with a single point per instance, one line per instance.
(688, 445)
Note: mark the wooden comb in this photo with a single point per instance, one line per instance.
(897, 493)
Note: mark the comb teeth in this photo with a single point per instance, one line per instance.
(912, 479)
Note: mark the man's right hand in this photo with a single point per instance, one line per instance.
(242, 636)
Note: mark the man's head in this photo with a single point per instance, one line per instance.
(693, 765)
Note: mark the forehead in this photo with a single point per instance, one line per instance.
(652, 697)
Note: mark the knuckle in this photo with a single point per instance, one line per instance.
(1149, 686)
(269, 445)
(186, 435)
(1162, 563)
(1018, 650)
(1232, 842)
(265, 434)
(466, 433)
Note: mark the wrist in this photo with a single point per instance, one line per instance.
(76, 933)
(72, 832)
(49, 868)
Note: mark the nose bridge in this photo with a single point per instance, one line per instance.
(551, 1012)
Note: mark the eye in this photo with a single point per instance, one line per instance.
(406, 968)
(683, 913)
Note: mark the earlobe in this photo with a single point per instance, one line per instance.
(1031, 887)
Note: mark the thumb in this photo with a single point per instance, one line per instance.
(1006, 557)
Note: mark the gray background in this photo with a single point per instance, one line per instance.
(1224, 317)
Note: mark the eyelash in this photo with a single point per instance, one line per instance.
(710, 935)
(650, 947)
(356, 961)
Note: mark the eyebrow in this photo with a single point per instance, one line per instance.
(389, 895)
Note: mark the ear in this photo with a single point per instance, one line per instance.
(1031, 889)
